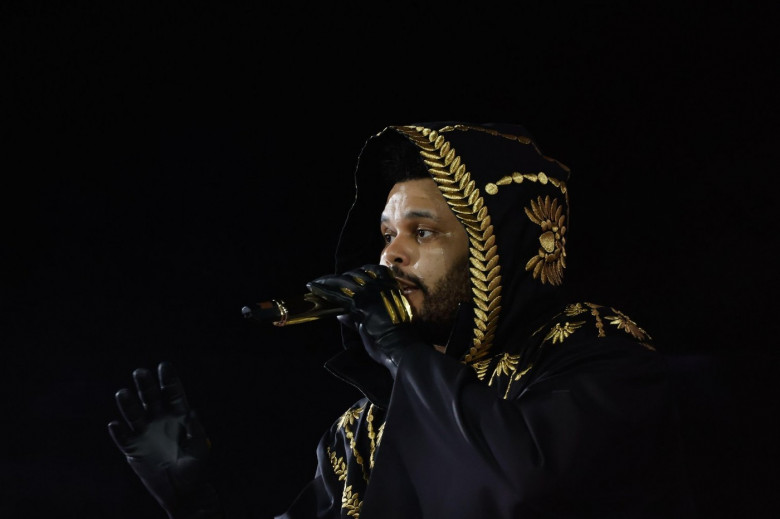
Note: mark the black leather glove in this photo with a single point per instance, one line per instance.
(377, 309)
(165, 444)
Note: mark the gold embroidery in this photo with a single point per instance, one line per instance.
(507, 364)
(595, 313)
(346, 420)
(349, 417)
(517, 376)
(560, 332)
(466, 201)
(339, 467)
(371, 435)
(623, 322)
(574, 309)
(520, 374)
(518, 178)
(550, 260)
(481, 368)
(351, 502)
(379, 435)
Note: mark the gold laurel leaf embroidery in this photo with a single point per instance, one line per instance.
(623, 322)
(507, 364)
(350, 502)
(517, 376)
(481, 368)
(466, 201)
(559, 332)
(574, 309)
(338, 464)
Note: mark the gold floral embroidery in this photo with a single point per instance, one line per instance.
(351, 502)
(623, 322)
(560, 332)
(550, 260)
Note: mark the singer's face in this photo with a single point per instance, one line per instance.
(427, 248)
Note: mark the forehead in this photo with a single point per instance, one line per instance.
(416, 198)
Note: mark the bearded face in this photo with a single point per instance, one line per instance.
(436, 316)
(427, 248)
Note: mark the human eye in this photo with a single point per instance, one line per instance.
(424, 234)
(388, 236)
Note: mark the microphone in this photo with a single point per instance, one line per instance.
(292, 310)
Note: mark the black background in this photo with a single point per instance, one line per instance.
(165, 164)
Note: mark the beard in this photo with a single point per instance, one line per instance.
(434, 321)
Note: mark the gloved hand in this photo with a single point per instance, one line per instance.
(377, 309)
(165, 444)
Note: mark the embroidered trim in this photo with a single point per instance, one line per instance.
(351, 502)
(338, 464)
(347, 419)
(372, 436)
(466, 201)
(595, 313)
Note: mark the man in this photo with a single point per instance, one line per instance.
(487, 393)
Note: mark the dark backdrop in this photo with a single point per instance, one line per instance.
(165, 165)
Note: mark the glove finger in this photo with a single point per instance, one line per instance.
(379, 272)
(121, 434)
(347, 283)
(338, 289)
(131, 410)
(172, 390)
(148, 391)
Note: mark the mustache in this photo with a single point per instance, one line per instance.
(417, 282)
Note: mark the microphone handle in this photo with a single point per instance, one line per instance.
(292, 310)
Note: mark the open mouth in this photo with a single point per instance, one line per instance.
(407, 287)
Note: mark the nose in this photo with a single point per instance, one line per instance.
(396, 252)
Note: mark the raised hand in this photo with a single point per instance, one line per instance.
(378, 310)
(165, 444)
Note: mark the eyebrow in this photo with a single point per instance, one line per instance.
(411, 215)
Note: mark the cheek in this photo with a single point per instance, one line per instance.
(432, 265)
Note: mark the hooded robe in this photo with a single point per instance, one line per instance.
(540, 407)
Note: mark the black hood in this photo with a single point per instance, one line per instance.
(514, 203)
